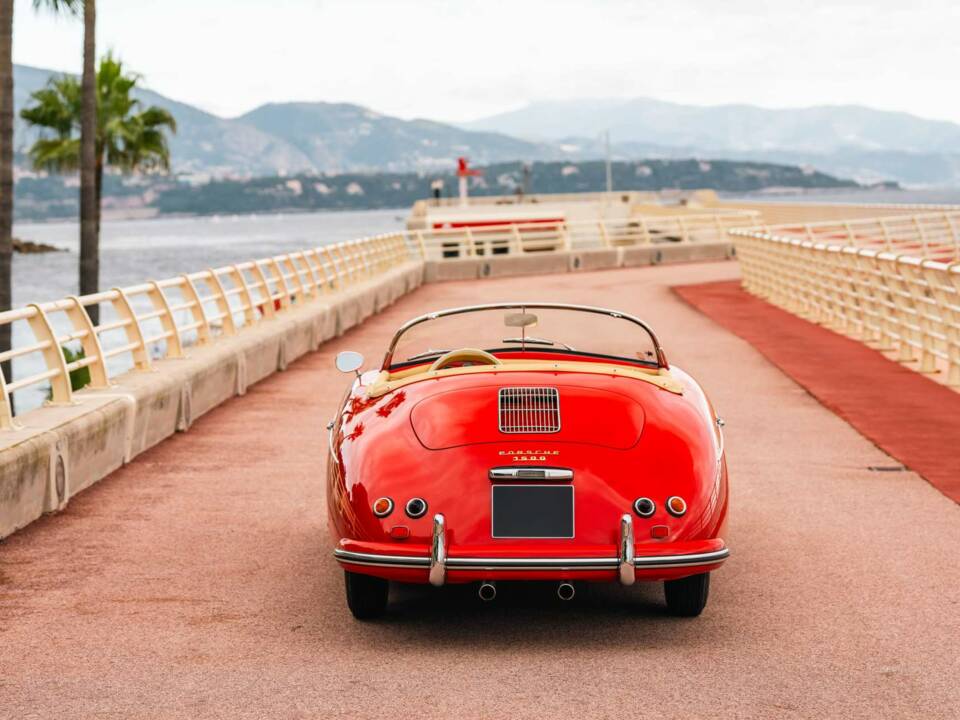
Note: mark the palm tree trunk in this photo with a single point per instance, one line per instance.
(6, 174)
(89, 210)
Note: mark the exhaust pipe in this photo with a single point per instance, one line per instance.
(487, 591)
(566, 591)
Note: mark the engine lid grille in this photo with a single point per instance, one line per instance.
(529, 410)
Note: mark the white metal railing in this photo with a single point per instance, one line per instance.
(931, 235)
(892, 283)
(157, 319)
(530, 237)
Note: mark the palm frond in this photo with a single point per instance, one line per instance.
(74, 7)
(128, 138)
(55, 154)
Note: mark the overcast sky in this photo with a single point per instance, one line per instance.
(464, 59)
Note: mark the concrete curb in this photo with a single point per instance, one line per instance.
(473, 268)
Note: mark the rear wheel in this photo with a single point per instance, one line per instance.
(366, 595)
(688, 596)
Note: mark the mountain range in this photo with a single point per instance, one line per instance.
(289, 138)
(318, 137)
(846, 140)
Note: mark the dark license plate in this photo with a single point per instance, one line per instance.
(532, 511)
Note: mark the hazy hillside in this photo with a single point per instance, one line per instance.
(339, 137)
(291, 138)
(847, 140)
(728, 127)
(203, 143)
(309, 137)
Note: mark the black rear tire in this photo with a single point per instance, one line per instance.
(688, 596)
(366, 595)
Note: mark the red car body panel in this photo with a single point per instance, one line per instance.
(438, 438)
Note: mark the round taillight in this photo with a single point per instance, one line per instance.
(416, 507)
(644, 507)
(382, 507)
(676, 505)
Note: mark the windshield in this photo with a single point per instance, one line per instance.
(590, 333)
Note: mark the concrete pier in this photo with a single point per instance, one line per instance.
(197, 579)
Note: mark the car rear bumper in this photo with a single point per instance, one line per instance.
(439, 563)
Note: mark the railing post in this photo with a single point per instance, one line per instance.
(421, 245)
(363, 256)
(954, 236)
(300, 290)
(90, 342)
(249, 310)
(60, 391)
(315, 284)
(199, 316)
(124, 310)
(169, 323)
(337, 275)
(6, 410)
(952, 308)
(645, 229)
(382, 253)
(268, 311)
(347, 274)
(223, 304)
(327, 281)
(604, 238)
(471, 250)
(517, 239)
(281, 284)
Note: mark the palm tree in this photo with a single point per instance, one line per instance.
(89, 175)
(6, 172)
(127, 137)
(89, 211)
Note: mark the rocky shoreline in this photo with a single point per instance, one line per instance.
(28, 247)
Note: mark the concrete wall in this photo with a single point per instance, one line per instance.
(60, 451)
(474, 268)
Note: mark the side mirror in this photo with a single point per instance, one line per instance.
(349, 361)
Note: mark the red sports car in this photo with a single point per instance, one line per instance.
(526, 441)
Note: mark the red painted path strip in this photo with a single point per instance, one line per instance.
(905, 414)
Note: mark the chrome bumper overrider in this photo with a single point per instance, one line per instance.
(438, 562)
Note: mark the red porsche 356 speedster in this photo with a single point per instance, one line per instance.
(526, 441)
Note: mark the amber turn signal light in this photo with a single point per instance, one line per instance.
(382, 507)
(676, 505)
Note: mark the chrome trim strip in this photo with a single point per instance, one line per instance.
(530, 473)
(423, 563)
(532, 563)
(438, 551)
(401, 561)
(665, 561)
(627, 570)
(661, 357)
